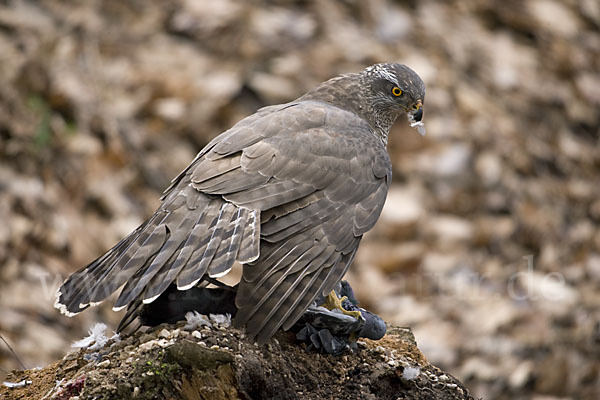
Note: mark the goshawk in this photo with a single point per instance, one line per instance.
(288, 192)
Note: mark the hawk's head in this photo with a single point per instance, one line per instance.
(396, 89)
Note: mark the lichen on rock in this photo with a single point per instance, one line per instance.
(212, 363)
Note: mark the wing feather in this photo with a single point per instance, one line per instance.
(199, 264)
(250, 242)
(288, 191)
(228, 248)
(307, 296)
(304, 286)
(213, 169)
(272, 286)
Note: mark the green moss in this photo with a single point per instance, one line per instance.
(41, 110)
(154, 375)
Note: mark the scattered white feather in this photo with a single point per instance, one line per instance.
(116, 338)
(419, 125)
(96, 339)
(195, 320)
(223, 320)
(411, 373)
(12, 385)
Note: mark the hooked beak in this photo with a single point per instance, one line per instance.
(418, 113)
(415, 117)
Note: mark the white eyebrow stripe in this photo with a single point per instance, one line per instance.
(384, 73)
(389, 76)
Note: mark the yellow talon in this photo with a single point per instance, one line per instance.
(333, 302)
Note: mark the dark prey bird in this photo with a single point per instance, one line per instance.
(288, 192)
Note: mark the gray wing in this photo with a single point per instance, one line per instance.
(319, 182)
(190, 235)
(297, 184)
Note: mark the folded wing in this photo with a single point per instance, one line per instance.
(288, 192)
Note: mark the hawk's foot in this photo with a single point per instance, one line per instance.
(333, 302)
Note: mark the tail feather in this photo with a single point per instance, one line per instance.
(73, 296)
(116, 273)
(161, 281)
(150, 293)
(130, 316)
(178, 225)
(127, 265)
(140, 260)
(191, 234)
(138, 283)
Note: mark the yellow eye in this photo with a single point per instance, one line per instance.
(396, 91)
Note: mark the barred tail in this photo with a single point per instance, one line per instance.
(190, 236)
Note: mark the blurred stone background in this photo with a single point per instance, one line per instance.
(488, 247)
